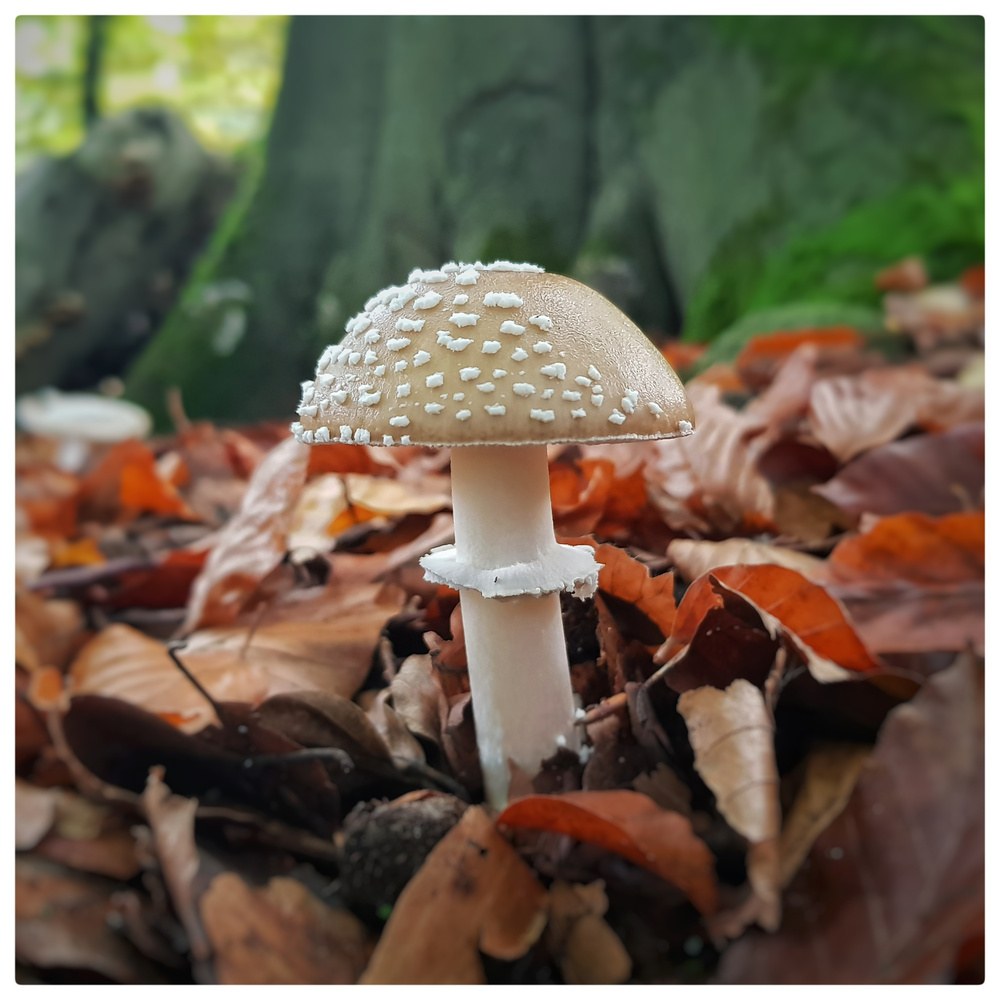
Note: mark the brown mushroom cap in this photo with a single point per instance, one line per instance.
(491, 354)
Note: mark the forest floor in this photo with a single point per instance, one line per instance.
(244, 740)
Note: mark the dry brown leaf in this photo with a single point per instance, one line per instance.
(322, 501)
(855, 413)
(281, 656)
(694, 558)
(711, 479)
(932, 473)
(280, 934)
(171, 818)
(403, 746)
(732, 735)
(418, 699)
(61, 921)
(587, 949)
(121, 662)
(895, 884)
(832, 771)
(787, 397)
(472, 894)
(253, 541)
(46, 631)
(34, 813)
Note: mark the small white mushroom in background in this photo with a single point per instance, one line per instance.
(80, 419)
(505, 561)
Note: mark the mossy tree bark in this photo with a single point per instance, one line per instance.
(693, 169)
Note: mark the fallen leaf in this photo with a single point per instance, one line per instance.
(915, 547)
(472, 894)
(47, 632)
(710, 480)
(254, 540)
(855, 413)
(61, 921)
(931, 473)
(235, 664)
(629, 580)
(895, 883)
(587, 949)
(696, 558)
(762, 354)
(579, 492)
(280, 934)
(807, 615)
(171, 818)
(732, 735)
(831, 772)
(121, 662)
(34, 813)
(787, 397)
(628, 824)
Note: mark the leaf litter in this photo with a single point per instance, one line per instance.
(245, 750)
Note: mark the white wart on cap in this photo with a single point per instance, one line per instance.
(491, 354)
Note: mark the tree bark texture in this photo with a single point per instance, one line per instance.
(693, 169)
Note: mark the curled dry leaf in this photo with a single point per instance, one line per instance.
(631, 825)
(855, 413)
(629, 580)
(895, 884)
(806, 615)
(732, 735)
(711, 480)
(932, 473)
(831, 772)
(472, 894)
(280, 934)
(253, 541)
(171, 818)
(587, 949)
(696, 558)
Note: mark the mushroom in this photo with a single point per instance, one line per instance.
(497, 361)
(78, 420)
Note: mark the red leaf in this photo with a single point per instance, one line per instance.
(804, 608)
(631, 825)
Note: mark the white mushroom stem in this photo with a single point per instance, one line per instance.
(518, 670)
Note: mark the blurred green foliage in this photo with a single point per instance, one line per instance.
(933, 69)
(220, 72)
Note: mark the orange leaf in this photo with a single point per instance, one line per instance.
(773, 346)
(340, 458)
(473, 894)
(803, 608)
(628, 579)
(629, 824)
(627, 500)
(579, 494)
(681, 354)
(142, 489)
(83, 552)
(916, 547)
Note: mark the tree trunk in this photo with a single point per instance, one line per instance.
(693, 169)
